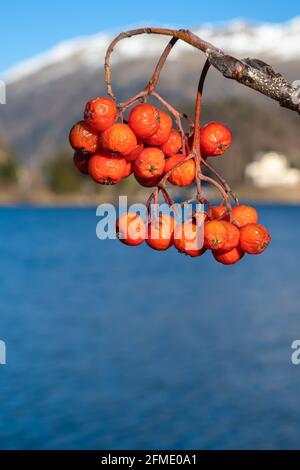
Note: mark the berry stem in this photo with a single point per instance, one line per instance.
(196, 140)
(153, 196)
(220, 189)
(162, 184)
(167, 197)
(150, 90)
(164, 179)
(162, 60)
(177, 115)
(153, 80)
(138, 97)
(195, 152)
(221, 179)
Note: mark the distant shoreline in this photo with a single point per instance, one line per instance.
(43, 198)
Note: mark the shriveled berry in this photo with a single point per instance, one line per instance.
(254, 238)
(100, 113)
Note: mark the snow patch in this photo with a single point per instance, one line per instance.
(237, 37)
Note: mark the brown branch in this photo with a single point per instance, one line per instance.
(179, 34)
(154, 79)
(249, 72)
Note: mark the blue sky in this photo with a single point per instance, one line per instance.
(31, 27)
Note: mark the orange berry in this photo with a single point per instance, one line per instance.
(229, 257)
(184, 175)
(215, 235)
(119, 139)
(100, 113)
(233, 236)
(215, 139)
(160, 232)
(173, 144)
(131, 229)
(163, 132)
(218, 212)
(83, 138)
(243, 215)
(81, 161)
(144, 120)
(135, 152)
(150, 163)
(106, 169)
(148, 182)
(254, 238)
(128, 169)
(188, 239)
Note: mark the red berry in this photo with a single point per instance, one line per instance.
(160, 232)
(100, 113)
(215, 235)
(188, 239)
(184, 174)
(215, 139)
(150, 163)
(218, 212)
(128, 169)
(229, 257)
(163, 132)
(82, 137)
(131, 229)
(254, 238)
(81, 161)
(135, 152)
(243, 215)
(148, 182)
(119, 139)
(106, 169)
(233, 236)
(144, 120)
(173, 144)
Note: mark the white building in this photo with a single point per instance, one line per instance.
(272, 169)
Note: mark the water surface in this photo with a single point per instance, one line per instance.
(110, 347)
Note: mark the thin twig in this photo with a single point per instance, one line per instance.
(153, 80)
(221, 179)
(177, 115)
(196, 139)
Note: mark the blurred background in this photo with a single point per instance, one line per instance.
(113, 348)
(53, 63)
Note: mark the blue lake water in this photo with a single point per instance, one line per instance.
(111, 347)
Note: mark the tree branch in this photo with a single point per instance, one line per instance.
(252, 73)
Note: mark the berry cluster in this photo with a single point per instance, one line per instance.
(228, 241)
(109, 146)
(148, 146)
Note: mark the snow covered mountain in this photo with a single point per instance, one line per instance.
(275, 41)
(46, 93)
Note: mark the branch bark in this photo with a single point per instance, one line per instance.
(252, 73)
